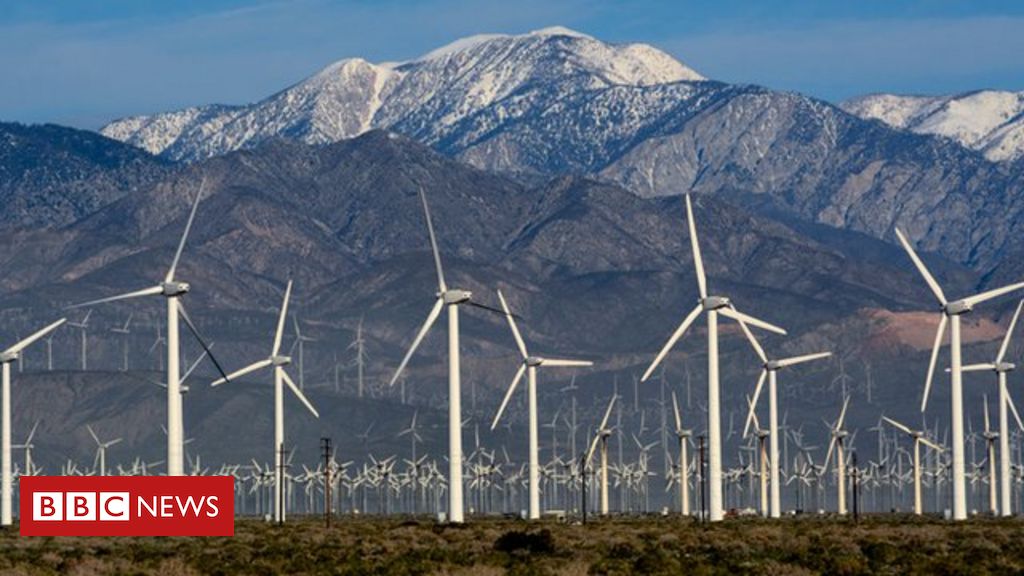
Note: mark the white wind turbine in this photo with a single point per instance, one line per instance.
(101, 450)
(7, 357)
(683, 434)
(83, 326)
(529, 365)
(1001, 369)
(762, 455)
(712, 306)
(28, 446)
(601, 436)
(451, 298)
(172, 290)
(300, 341)
(769, 370)
(125, 332)
(951, 313)
(919, 438)
(281, 378)
(837, 444)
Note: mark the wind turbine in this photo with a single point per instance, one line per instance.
(451, 298)
(125, 331)
(683, 434)
(413, 433)
(281, 378)
(172, 290)
(359, 344)
(101, 450)
(529, 365)
(27, 446)
(601, 435)
(300, 341)
(770, 369)
(839, 434)
(919, 438)
(83, 325)
(951, 313)
(762, 455)
(7, 357)
(712, 306)
(1001, 369)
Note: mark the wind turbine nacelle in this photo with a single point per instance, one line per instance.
(533, 361)
(1005, 367)
(172, 289)
(957, 308)
(456, 296)
(8, 357)
(715, 303)
(281, 360)
(772, 365)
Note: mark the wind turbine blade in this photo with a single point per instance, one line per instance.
(566, 363)
(114, 441)
(898, 425)
(801, 359)
(752, 415)
(931, 363)
(732, 312)
(936, 289)
(608, 413)
(33, 338)
(137, 294)
(672, 341)
(298, 393)
(931, 444)
(1013, 410)
(593, 446)
(199, 338)
(508, 394)
(93, 434)
(989, 295)
(512, 325)
(675, 409)
(32, 433)
(242, 372)
(842, 414)
(194, 365)
(976, 367)
(828, 456)
(184, 237)
(753, 404)
(433, 244)
(753, 342)
(431, 318)
(281, 320)
(1009, 333)
(698, 261)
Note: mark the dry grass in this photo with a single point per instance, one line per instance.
(491, 547)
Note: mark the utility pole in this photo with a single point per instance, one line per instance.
(856, 487)
(325, 447)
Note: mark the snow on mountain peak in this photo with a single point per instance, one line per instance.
(434, 93)
(990, 121)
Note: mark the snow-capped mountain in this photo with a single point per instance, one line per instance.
(989, 121)
(556, 102)
(430, 97)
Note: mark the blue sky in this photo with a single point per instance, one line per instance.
(86, 62)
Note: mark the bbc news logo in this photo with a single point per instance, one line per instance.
(127, 506)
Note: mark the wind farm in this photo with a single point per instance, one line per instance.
(688, 323)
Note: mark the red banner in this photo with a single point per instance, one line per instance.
(127, 505)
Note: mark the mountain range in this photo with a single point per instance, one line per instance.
(553, 163)
(989, 121)
(558, 102)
